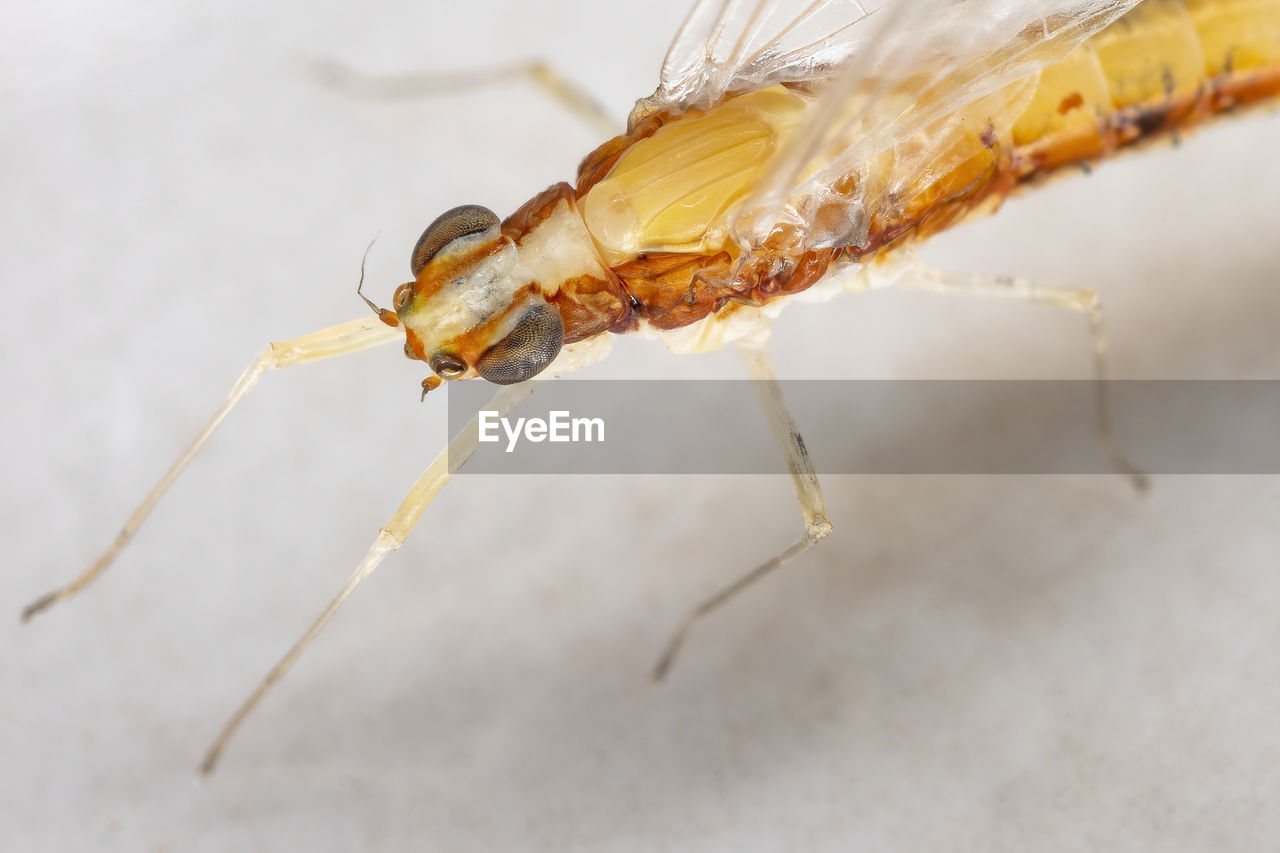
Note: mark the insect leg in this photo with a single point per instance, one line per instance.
(1078, 299)
(348, 81)
(812, 507)
(390, 537)
(337, 340)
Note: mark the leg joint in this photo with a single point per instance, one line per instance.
(817, 529)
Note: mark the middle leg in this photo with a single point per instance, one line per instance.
(805, 479)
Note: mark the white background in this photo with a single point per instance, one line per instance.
(968, 663)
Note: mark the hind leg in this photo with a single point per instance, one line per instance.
(1082, 301)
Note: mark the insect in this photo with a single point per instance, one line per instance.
(831, 131)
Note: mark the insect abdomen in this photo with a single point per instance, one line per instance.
(1166, 64)
(658, 202)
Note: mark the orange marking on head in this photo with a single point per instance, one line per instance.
(447, 266)
(472, 344)
(413, 344)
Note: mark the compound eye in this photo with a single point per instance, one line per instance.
(448, 365)
(526, 350)
(449, 226)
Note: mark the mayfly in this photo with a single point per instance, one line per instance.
(790, 148)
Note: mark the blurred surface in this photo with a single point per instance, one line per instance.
(967, 663)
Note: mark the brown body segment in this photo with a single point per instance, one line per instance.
(588, 304)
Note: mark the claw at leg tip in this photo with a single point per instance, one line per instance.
(660, 670)
(206, 768)
(41, 603)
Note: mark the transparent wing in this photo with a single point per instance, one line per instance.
(915, 80)
(741, 45)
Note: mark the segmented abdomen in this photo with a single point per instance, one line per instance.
(659, 201)
(1166, 64)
